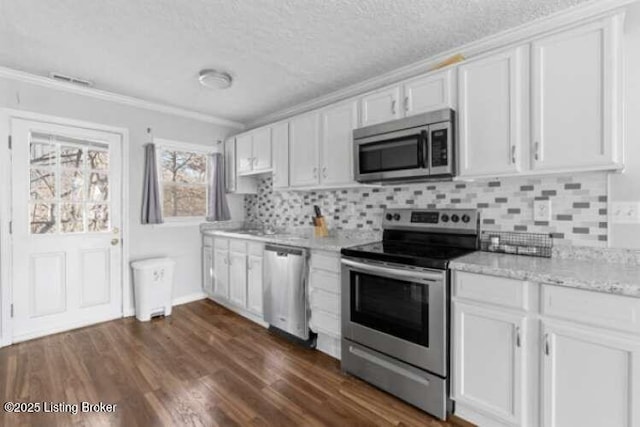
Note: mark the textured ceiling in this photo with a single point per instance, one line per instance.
(280, 52)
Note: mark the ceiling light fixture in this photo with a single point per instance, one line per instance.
(215, 79)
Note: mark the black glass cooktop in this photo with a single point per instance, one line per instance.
(408, 253)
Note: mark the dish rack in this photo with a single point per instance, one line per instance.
(517, 243)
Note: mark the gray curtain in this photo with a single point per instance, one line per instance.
(218, 209)
(151, 209)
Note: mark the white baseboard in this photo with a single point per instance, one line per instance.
(197, 296)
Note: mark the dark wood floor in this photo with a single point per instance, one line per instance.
(202, 366)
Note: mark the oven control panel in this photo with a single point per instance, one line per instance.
(429, 219)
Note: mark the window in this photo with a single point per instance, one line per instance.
(183, 180)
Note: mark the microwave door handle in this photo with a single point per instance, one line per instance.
(422, 149)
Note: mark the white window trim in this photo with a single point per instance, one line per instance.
(164, 144)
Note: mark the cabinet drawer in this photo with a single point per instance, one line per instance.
(256, 248)
(321, 279)
(491, 289)
(238, 246)
(207, 240)
(221, 243)
(325, 261)
(593, 308)
(325, 301)
(325, 323)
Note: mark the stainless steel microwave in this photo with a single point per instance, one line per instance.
(413, 148)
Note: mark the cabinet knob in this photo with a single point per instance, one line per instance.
(513, 154)
(324, 171)
(518, 336)
(406, 103)
(393, 107)
(546, 344)
(536, 154)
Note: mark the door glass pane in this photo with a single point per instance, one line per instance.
(390, 155)
(42, 154)
(72, 220)
(72, 185)
(98, 187)
(42, 218)
(98, 159)
(43, 184)
(399, 308)
(71, 157)
(98, 217)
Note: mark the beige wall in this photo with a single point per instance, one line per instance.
(180, 243)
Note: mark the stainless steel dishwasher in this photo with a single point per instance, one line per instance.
(285, 290)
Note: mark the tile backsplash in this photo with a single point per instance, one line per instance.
(578, 205)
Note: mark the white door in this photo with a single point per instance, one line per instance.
(590, 377)
(244, 153)
(574, 74)
(338, 123)
(66, 203)
(492, 98)
(207, 270)
(489, 361)
(304, 133)
(262, 149)
(380, 106)
(429, 93)
(280, 145)
(221, 272)
(254, 284)
(238, 278)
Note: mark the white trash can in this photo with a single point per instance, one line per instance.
(153, 285)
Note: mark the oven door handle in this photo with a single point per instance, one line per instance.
(394, 272)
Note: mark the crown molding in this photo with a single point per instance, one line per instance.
(103, 95)
(563, 18)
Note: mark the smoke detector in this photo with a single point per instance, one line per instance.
(70, 79)
(215, 79)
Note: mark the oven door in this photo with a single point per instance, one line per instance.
(401, 312)
(393, 155)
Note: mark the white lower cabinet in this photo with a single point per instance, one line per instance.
(489, 360)
(324, 300)
(232, 274)
(543, 355)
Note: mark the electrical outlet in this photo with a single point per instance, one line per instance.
(542, 210)
(625, 212)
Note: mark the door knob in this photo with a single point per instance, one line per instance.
(115, 242)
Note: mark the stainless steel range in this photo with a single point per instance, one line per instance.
(395, 303)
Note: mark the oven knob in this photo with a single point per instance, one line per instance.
(465, 218)
(455, 218)
(444, 218)
(396, 217)
(389, 217)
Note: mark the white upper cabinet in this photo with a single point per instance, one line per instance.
(338, 122)
(428, 93)
(280, 145)
(233, 182)
(304, 134)
(381, 106)
(492, 110)
(575, 95)
(244, 153)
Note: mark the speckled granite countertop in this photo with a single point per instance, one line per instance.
(305, 239)
(594, 274)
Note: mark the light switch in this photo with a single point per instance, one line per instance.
(542, 210)
(625, 212)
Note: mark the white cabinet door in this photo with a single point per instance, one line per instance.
(280, 146)
(262, 150)
(338, 123)
(492, 99)
(207, 270)
(380, 106)
(304, 133)
(590, 377)
(429, 93)
(254, 284)
(238, 278)
(244, 153)
(221, 272)
(575, 76)
(489, 361)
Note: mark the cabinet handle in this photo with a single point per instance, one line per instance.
(518, 336)
(315, 172)
(536, 154)
(546, 344)
(393, 107)
(406, 103)
(513, 154)
(324, 171)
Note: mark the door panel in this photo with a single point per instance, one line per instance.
(254, 284)
(280, 144)
(304, 133)
(66, 247)
(262, 149)
(221, 272)
(380, 106)
(244, 153)
(207, 270)
(238, 278)
(337, 143)
(429, 93)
